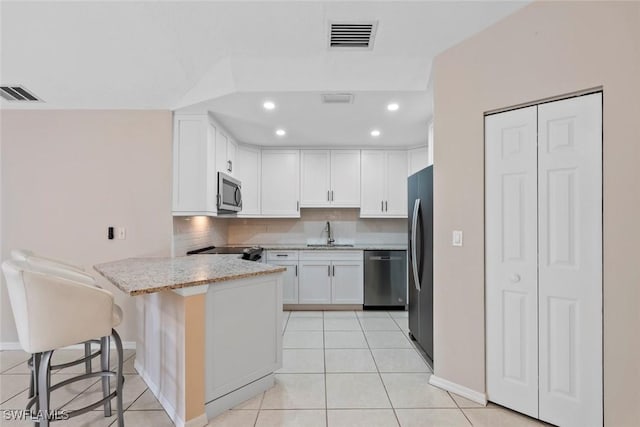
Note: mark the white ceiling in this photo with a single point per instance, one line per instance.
(183, 55)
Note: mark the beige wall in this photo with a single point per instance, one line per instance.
(68, 175)
(544, 50)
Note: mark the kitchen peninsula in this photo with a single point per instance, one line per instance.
(209, 329)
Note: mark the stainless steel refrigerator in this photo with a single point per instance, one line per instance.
(420, 187)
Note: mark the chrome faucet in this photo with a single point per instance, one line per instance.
(330, 239)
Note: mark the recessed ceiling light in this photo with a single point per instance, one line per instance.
(269, 105)
(281, 132)
(393, 106)
(375, 132)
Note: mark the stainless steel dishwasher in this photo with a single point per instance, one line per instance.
(385, 279)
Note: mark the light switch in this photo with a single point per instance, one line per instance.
(121, 233)
(457, 238)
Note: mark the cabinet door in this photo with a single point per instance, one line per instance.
(315, 282)
(289, 281)
(280, 183)
(396, 179)
(347, 285)
(372, 183)
(418, 159)
(247, 170)
(231, 157)
(189, 166)
(314, 178)
(345, 178)
(221, 151)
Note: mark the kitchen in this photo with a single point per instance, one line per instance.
(109, 161)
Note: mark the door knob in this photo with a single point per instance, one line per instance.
(515, 278)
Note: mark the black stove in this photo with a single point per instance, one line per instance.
(251, 253)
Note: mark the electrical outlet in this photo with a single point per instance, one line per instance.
(121, 233)
(456, 239)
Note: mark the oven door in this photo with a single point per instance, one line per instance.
(229, 193)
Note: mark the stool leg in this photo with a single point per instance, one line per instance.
(104, 366)
(87, 353)
(44, 382)
(34, 377)
(120, 376)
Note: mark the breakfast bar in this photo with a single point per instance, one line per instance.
(209, 329)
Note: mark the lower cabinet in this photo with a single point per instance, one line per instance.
(315, 282)
(331, 277)
(347, 285)
(289, 282)
(320, 276)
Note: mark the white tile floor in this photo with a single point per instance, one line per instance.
(340, 369)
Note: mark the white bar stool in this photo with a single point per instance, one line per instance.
(53, 312)
(65, 270)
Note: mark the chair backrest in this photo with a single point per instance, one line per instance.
(52, 312)
(52, 266)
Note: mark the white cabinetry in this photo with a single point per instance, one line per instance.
(247, 170)
(288, 259)
(330, 178)
(330, 277)
(418, 159)
(225, 152)
(194, 174)
(280, 183)
(383, 184)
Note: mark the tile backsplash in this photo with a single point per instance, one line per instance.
(346, 227)
(195, 232)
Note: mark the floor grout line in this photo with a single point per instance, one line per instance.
(380, 376)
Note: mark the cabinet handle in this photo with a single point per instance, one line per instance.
(296, 270)
(381, 205)
(334, 271)
(329, 270)
(284, 255)
(229, 165)
(328, 196)
(332, 195)
(386, 206)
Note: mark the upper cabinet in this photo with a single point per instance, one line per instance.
(383, 190)
(330, 178)
(194, 174)
(418, 159)
(225, 153)
(247, 170)
(280, 183)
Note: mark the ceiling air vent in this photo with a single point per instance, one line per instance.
(17, 93)
(357, 35)
(337, 98)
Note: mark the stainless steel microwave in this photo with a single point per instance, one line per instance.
(229, 193)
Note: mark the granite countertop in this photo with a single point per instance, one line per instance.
(355, 247)
(137, 276)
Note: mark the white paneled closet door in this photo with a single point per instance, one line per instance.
(570, 266)
(544, 260)
(512, 260)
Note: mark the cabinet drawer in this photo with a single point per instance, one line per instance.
(331, 255)
(282, 255)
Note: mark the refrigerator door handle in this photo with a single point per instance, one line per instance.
(414, 255)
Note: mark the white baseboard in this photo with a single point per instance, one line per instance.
(15, 345)
(458, 389)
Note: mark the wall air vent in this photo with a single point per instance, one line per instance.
(17, 93)
(352, 35)
(337, 98)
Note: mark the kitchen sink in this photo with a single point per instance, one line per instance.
(325, 245)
